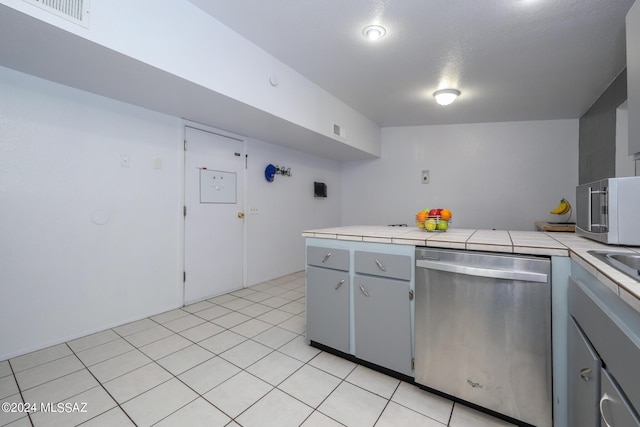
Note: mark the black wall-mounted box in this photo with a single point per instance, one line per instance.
(319, 189)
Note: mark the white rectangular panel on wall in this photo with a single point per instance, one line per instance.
(217, 186)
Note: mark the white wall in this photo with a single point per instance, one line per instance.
(286, 206)
(61, 274)
(491, 175)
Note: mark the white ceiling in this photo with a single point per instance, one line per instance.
(511, 59)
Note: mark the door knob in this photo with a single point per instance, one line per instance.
(240, 214)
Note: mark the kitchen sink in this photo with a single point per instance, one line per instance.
(625, 262)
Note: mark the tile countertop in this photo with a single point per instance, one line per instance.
(503, 241)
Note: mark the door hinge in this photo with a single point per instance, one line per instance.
(410, 294)
(413, 363)
(184, 211)
(185, 145)
(184, 277)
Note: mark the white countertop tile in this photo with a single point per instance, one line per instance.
(491, 241)
(409, 236)
(451, 239)
(408, 241)
(377, 239)
(456, 235)
(536, 243)
(497, 237)
(630, 298)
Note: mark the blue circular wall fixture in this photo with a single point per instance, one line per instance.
(270, 172)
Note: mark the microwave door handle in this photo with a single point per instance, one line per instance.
(604, 208)
(589, 208)
(603, 197)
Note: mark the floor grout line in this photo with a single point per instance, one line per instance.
(285, 285)
(101, 385)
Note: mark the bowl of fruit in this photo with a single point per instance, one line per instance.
(434, 219)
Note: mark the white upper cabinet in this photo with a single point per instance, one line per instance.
(633, 78)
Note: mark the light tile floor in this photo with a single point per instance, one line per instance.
(235, 360)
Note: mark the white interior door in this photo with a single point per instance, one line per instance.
(214, 221)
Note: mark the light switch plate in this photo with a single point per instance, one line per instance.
(425, 177)
(157, 162)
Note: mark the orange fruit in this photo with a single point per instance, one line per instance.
(421, 216)
(445, 214)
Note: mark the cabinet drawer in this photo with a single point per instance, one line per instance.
(384, 265)
(338, 259)
(615, 409)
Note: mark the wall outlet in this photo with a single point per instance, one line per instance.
(425, 177)
(253, 211)
(124, 160)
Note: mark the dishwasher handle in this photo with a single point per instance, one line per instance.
(525, 276)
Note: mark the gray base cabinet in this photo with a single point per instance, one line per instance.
(359, 300)
(328, 307)
(383, 322)
(584, 379)
(604, 336)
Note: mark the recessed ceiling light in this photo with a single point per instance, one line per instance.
(374, 32)
(446, 96)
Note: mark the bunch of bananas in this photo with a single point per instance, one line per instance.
(562, 208)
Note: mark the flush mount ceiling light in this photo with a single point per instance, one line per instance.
(446, 96)
(374, 32)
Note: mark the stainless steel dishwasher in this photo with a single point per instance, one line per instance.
(483, 330)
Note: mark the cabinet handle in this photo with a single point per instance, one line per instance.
(380, 266)
(326, 257)
(585, 374)
(604, 397)
(364, 291)
(340, 283)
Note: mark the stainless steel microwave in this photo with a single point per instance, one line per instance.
(609, 211)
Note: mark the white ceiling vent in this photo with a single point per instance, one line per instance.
(74, 10)
(339, 131)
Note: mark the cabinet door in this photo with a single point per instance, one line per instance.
(584, 379)
(615, 409)
(328, 307)
(383, 322)
(633, 77)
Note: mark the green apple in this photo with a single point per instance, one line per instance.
(443, 225)
(430, 224)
